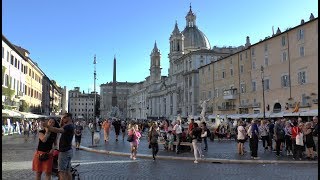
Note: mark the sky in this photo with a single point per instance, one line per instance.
(64, 36)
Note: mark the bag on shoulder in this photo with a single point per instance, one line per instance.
(43, 157)
(130, 138)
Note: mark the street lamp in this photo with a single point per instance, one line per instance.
(95, 95)
(262, 80)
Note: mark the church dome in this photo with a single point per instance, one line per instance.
(195, 39)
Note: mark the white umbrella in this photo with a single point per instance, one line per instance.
(10, 113)
(276, 115)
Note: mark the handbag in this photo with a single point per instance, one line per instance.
(130, 138)
(299, 139)
(43, 157)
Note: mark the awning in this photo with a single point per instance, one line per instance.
(244, 115)
(29, 115)
(276, 115)
(291, 114)
(234, 116)
(313, 112)
(11, 113)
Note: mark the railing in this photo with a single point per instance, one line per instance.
(228, 107)
(230, 94)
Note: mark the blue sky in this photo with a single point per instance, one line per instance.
(63, 36)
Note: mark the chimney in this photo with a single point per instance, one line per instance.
(278, 31)
(247, 42)
(302, 21)
(311, 17)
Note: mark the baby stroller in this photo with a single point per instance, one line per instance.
(74, 171)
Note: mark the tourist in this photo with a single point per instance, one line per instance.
(309, 141)
(153, 140)
(241, 137)
(43, 157)
(297, 149)
(255, 139)
(288, 133)
(271, 134)
(133, 130)
(77, 134)
(106, 129)
(117, 125)
(264, 132)
(204, 135)
(315, 133)
(279, 135)
(170, 140)
(123, 129)
(65, 145)
(177, 129)
(26, 130)
(196, 141)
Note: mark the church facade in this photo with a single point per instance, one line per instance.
(178, 93)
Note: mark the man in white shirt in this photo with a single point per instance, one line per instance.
(177, 129)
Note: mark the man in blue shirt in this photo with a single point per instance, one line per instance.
(65, 145)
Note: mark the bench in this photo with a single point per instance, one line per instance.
(176, 143)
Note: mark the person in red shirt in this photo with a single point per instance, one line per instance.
(191, 126)
(296, 148)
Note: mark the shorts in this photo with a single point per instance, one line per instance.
(64, 160)
(42, 166)
(241, 141)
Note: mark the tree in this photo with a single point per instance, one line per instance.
(24, 107)
(6, 91)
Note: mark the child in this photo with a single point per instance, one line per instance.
(170, 140)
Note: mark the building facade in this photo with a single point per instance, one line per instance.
(177, 93)
(122, 91)
(287, 62)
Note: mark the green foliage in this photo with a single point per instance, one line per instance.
(6, 91)
(24, 107)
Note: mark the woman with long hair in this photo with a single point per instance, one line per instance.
(153, 140)
(43, 157)
(241, 137)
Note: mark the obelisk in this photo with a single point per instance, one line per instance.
(114, 102)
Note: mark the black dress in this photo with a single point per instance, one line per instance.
(309, 140)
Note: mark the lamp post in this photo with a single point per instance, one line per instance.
(262, 80)
(95, 95)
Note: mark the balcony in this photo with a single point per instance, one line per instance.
(227, 107)
(230, 94)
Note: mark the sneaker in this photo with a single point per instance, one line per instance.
(196, 162)
(134, 158)
(256, 158)
(130, 156)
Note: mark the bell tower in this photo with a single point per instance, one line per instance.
(155, 68)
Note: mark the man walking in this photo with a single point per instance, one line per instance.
(255, 139)
(279, 135)
(177, 129)
(65, 145)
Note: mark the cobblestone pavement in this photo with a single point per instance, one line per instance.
(224, 149)
(17, 160)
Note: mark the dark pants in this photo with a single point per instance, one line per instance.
(270, 141)
(155, 149)
(179, 141)
(265, 141)
(297, 149)
(205, 143)
(254, 146)
(288, 143)
(278, 144)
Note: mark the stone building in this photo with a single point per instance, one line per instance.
(290, 73)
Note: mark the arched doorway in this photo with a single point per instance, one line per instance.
(277, 108)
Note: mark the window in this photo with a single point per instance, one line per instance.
(7, 80)
(18, 64)
(11, 60)
(253, 64)
(266, 61)
(190, 81)
(209, 94)
(216, 92)
(223, 74)
(300, 34)
(302, 77)
(241, 69)
(266, 48)
(285, 81)
(242, 88)
(231, 72)
(266, 84)
(230, 61)
(246, 54)
(301, 51)
(15, 62)
(254, 87)
(7, 56)
(252, 51)
(283, 41)
(2, 52)
(284, 56)
(240, 57)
